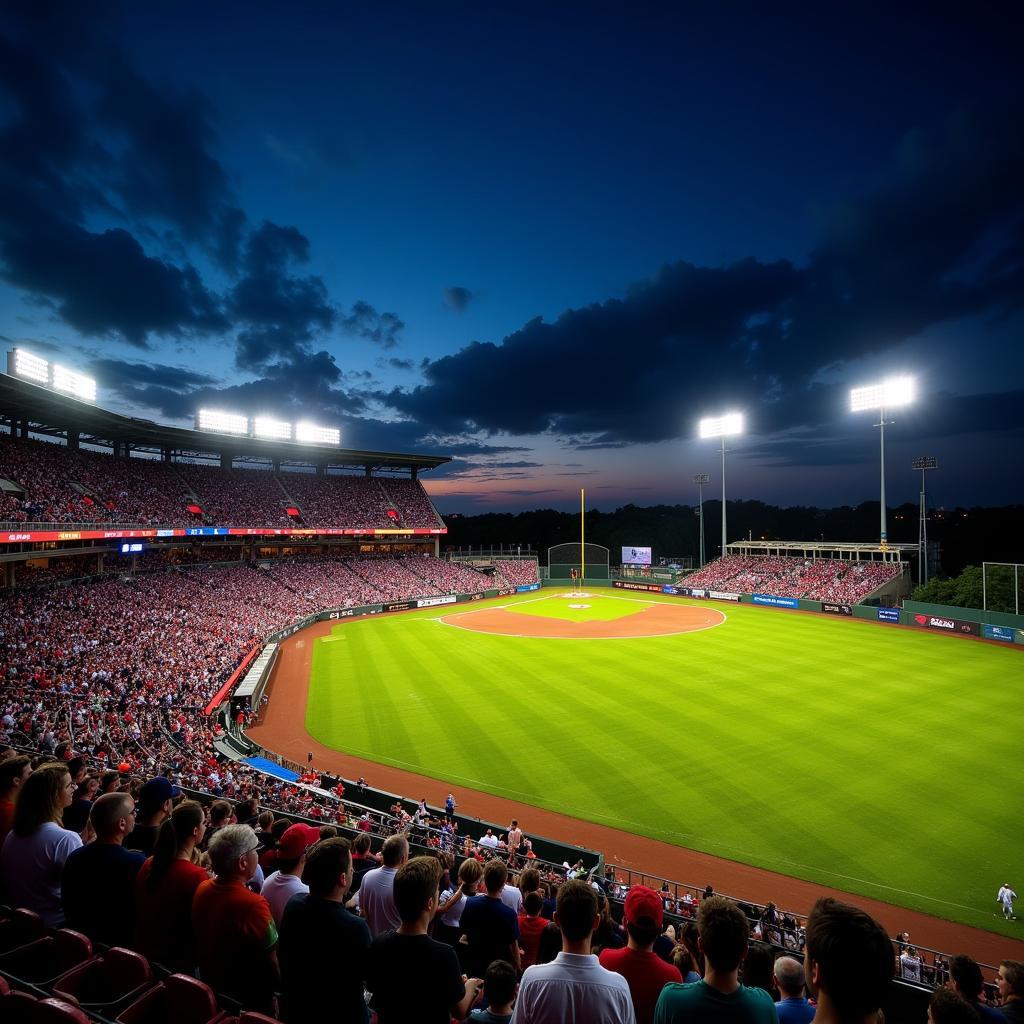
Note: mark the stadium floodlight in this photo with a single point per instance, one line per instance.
(275, 430)
(310, 433)
(74, 384)
(722, 426)
(725, 426)
(890, 393)
(222, 422)
(30, 366)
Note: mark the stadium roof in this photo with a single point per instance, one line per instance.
(817, 547)
(47, 412)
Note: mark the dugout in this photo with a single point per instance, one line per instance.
(592, 559)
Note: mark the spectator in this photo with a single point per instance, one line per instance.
(447, 926)
(645, 972)
(910, 965)
(793, 1006)
(500, 987)
(723, 933)
(165, 887)
(376, 895)
(1010, 982)
(412, 976)
(946, 1007)
(236, 939)
(757, 969)
(156, 798)
(284, 883)
(848, 963)
(13, 772)
(318, 921)
(531, 926)
(37, 847)
(550, 944)
(491, 928)
(98, 884)
(362, 860)
(574, 986)
(966, 979)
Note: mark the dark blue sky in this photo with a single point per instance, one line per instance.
(545, 240)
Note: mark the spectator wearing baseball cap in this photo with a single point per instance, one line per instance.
(645, 972)
(284, 883)
(156, 798)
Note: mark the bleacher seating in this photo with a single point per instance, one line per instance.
(515, 572)
(816, 579)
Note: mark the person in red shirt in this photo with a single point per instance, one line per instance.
(164, 889)
(645, 972)
(235, 934)
(13, 772)
(531, 924)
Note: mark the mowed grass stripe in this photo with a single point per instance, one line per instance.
(873, 758)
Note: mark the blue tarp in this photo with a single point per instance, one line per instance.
(272, 769)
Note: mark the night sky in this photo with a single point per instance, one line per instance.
(543, 239)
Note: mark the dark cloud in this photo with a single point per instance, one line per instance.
(940, 239)
(363, 321)
(457, 298)
(400, 364)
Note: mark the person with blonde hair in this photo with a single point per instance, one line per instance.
(35, 851)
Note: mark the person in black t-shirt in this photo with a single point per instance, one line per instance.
(362, 861)
(490, 926)
(317, 929)
(412, 976)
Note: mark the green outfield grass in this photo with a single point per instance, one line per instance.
(875, 759)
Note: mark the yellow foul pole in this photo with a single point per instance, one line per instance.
(583, 550)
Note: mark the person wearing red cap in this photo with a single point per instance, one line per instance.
(286, 882)
(645, 972)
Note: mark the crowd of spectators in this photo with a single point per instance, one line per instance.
(54, 484)
(816, 579)
(292, 919)
(515, 572)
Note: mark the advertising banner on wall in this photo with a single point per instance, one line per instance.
(649, 588)
(940, 622)
(836, 609)
(775, 602)
(432, 602)
(997, 633)
(526, 588)
(888, 614)
(399, 606)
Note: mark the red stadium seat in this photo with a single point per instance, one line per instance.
(20, 928)
(179, 999)
(41, 962)
(106, 983)
(17, 1007)
(56, 1011)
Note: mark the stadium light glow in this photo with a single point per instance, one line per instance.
(222, 422)
(75, 384)
(725, 426)
(31, 367)
(310, 433)
(890, 393)
(722, 426)
(275, 430)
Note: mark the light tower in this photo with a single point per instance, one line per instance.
(700, 480)
(725, 426)
(923, 463)
(891, 393)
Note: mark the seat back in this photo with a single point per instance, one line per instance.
(19, 928)
(56, 1011)
(190, 1001)
(17, 1008)
(116, 977)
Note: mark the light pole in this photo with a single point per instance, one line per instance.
(700, 480)
(725, 426)
(891, 393)
(923, 463)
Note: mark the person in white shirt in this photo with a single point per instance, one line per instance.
(453, 901)
(512, 897)
(376, 899)
(284, 883)
(489, 841)
(574, 986)
(37, 846)
(1006, 896)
